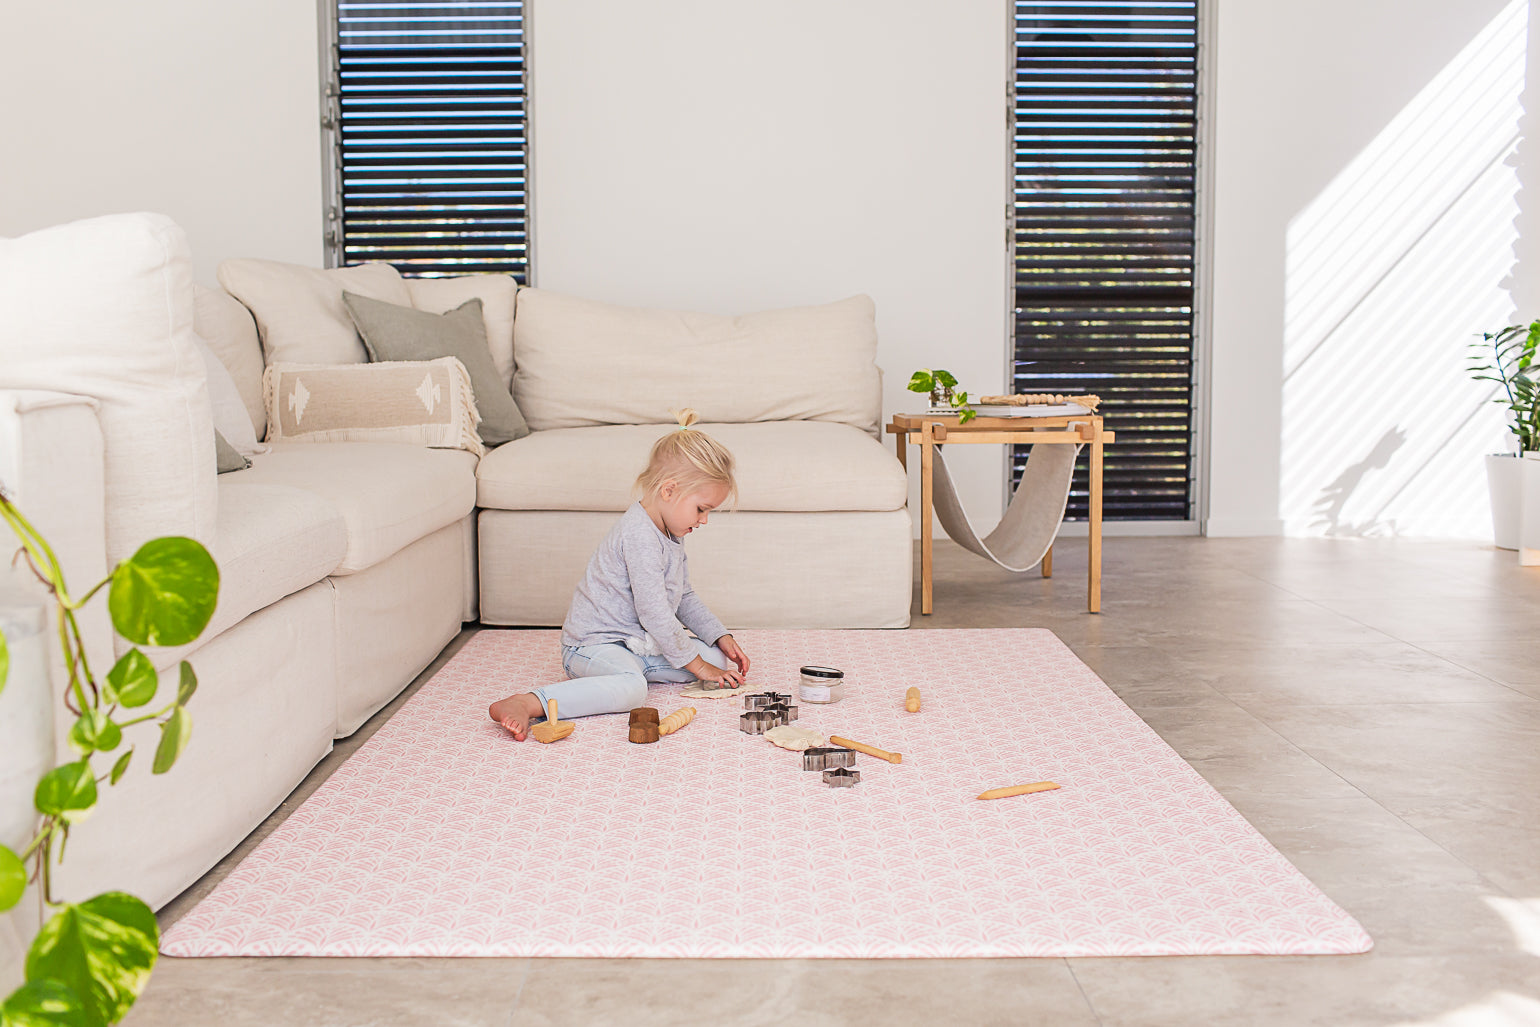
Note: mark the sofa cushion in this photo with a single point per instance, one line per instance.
(226, 325)
(389, 494)
(299, 309)
(584, 363)
(781, 465)
(104, 308)
(231, 422)
(272, 541)
(497, 294)
(393, 333)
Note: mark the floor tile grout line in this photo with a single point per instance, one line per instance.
(518, 994)
(1472, 670)
(1091, 1006)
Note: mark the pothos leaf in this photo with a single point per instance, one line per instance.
(132, 681)
(94, 731)
(165, 593)
(121, 767)
(13, 878)
(187, 685)
(47, 1003)
(174, 734)
(67, 792)
(102, 949)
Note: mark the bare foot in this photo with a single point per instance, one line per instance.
(515, 713)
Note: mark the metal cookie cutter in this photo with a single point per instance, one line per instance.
(757, 722)
(759, 700)
(827, 758)
(840, 777)
(782, 709)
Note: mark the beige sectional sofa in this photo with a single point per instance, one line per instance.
(347, 566)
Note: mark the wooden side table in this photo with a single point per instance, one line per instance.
(930, 430)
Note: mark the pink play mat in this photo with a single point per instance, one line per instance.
(443, 836)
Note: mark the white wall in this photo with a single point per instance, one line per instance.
(206, 111)
(1365, 230)
(729, 156)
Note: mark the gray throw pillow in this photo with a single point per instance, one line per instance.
(394, 332)
(226, 456)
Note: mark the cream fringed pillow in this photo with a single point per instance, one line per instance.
(427, 402)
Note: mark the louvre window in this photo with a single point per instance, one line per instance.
(1104, 119)
(429, 114)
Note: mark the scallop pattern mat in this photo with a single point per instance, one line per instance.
(442, 836)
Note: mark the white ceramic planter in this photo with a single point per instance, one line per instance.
(1529, 523)
(1503, 474)
(26, 752)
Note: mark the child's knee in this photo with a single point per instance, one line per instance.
(635, 693)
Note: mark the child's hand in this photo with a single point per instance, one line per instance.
(734, 652)
(710, 672)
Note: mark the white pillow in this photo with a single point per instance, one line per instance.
(299, 311)
(230, 417)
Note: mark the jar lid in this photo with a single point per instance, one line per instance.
(822, 672)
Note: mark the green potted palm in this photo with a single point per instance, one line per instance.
(1507, 357)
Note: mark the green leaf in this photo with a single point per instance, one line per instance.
(121, 767)
(174, 734)
(103, 949)
(13, 878)
(47, 1003)
(921, 381)
(964, 416)
(945, 378)
(188, 684)
(165, 593)
(132, 681)
(5, 661)
(67, 792)
(95, 731)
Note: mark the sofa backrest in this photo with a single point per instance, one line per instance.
(580, 363)
(227, 326)
(104, 308)
(497, 294)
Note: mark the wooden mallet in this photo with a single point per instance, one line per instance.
(552, 730)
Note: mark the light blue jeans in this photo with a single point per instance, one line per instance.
(609, 678)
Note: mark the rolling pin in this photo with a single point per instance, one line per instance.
(1002, 793)
(870, 750)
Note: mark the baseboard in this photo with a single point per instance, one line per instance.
(1242, 527)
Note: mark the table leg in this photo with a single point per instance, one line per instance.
(902, 439)
(1094, 573)
(927, 464)
(1048, 562)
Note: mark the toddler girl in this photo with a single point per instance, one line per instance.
(626, 625)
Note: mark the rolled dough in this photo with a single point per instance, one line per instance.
(700, 691)
(789, 736)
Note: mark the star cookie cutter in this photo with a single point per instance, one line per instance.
(841, 777)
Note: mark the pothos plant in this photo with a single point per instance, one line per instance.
(91, 959)
(942, 386)
(1508, 357)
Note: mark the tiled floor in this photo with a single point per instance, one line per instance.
(1373, 707)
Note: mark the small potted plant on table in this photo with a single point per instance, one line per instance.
(1507, 357)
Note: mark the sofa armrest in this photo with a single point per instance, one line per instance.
(51, 466)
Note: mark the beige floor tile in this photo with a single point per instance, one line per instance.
(808, 993)
(330, 993)
(1408, 757)
(1514, 662)
(1312, 991)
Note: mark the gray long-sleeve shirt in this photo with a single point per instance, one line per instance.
(637, 588)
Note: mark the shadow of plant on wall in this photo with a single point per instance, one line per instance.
(1334, 497)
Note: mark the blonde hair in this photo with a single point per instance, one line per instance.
(689, 458)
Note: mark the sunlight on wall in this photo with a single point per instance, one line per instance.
(1391, 271)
